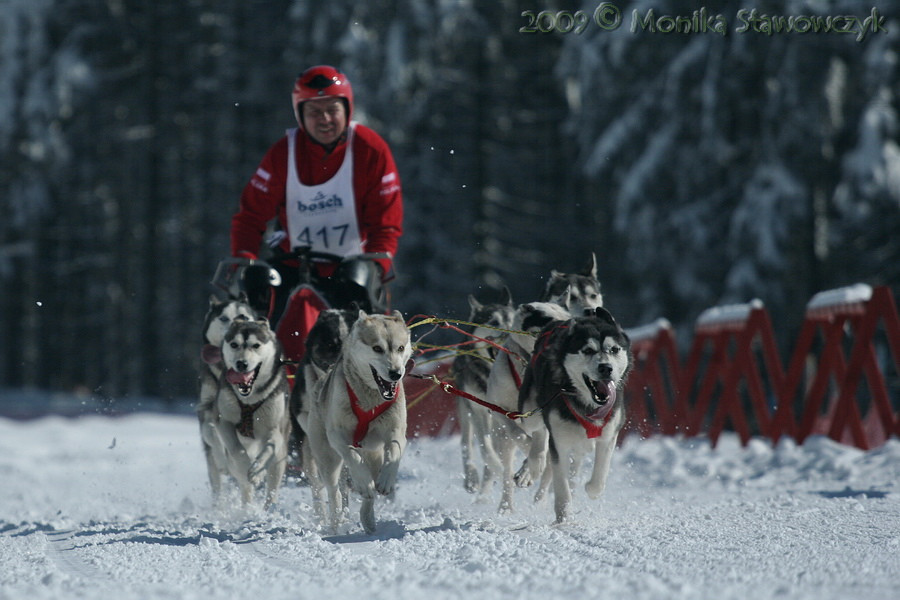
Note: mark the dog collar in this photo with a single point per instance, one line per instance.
(593, 429)
(364, 417)
(245, 425)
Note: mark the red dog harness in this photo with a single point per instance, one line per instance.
(364, 417)
(593, 429)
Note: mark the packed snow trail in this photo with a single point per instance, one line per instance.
(119, 508)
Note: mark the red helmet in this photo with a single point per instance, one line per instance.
(320, 82)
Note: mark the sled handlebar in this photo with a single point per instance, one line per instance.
(307, 254)
(306, 257)
(230, 269)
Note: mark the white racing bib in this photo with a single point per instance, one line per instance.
(323, 216)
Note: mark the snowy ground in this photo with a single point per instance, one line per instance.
(101, 507)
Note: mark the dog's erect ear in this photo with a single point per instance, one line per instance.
(591, 269)
(242, 297)
(604, 315)
(214, 300)
(506, 297)
(362, 314)
(262, 321)
(398, 315)
(474, 304)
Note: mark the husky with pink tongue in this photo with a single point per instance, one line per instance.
(358, 416)
(575, 381)
(254, 424)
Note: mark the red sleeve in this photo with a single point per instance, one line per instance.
(379, 195)
(263, 198)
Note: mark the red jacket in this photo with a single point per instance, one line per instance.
(376, 186)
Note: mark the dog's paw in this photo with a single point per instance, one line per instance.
(471, 479)
(257, 473)
(594, 490)
(367, 519)
(385, 485)
(523, 477)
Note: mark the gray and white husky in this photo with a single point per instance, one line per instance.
(470, 372)
(575, 377)
(358, 415)
(504, 381)
(577, 291)
(253, 425)
(219, 317)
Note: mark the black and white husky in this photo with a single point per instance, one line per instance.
(358, 415)
(575, 378)
(219, 317)
(253, 425)
(470, 372)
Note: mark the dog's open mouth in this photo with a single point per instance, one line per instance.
(387, 389)
(242, 381)
(603, 393)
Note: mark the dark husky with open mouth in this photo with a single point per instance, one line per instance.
(253, 426)
(576, 377)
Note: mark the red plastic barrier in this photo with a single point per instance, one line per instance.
(733, 373)
(841, 317)
(651, 389)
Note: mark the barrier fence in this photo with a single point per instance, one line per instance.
(836, 382)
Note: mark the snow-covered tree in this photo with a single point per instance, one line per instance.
(725, 167)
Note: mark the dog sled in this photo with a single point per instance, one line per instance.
(292, 288)
(288, 289)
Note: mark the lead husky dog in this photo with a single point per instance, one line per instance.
(358, 415)
(253, 425)
(575, 377)
(470, 373)
(219, 317)
(576, 293)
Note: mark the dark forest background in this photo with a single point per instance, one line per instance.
(701, 168)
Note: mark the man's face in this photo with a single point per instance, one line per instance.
(325, 119)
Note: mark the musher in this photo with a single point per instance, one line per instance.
(332, 185)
